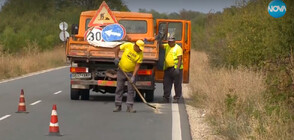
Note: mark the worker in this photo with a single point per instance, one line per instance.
(173, 70)
(130, 62)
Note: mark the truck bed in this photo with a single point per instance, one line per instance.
(82, 50)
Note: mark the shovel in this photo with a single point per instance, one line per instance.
(138, 92)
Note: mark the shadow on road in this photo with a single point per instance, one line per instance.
(111, 98)
(104, 98)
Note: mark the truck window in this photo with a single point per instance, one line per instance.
(87, 23)
(134, 26)
(174, 30)
(186, 33)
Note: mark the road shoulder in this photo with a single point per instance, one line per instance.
(199, 127)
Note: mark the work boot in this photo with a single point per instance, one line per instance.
(117, 108)
(176, 99)
(165, 100)
(130, 109)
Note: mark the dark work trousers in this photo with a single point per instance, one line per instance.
(169, 79)
(121, 78)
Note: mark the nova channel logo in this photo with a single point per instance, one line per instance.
(277, 8)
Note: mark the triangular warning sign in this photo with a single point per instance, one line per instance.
(103, 16)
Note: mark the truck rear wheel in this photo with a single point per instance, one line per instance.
(149, 95)
(74, 94)
(137, 96)
(85, 94)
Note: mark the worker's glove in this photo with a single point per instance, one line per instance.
(176, 72)
(116, 61)
(133, 79)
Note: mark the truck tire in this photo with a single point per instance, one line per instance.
(85, 94)
(74, 94)
(137, 97)
(149, 95)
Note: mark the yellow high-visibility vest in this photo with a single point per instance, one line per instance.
(171, 56)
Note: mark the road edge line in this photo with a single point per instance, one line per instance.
(176, 121)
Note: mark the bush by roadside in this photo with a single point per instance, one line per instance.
(235, 102)
(36, 22)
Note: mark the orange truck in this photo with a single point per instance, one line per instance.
(92, 67)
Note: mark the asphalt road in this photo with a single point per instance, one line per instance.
(83, 120)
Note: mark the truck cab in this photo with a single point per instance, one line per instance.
(92, 67)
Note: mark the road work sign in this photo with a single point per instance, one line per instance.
(113, 32)
(103, 16)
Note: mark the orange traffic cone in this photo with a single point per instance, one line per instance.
(53, 126)
(21, 104)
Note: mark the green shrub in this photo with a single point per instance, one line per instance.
(36, 22)
(246, 35)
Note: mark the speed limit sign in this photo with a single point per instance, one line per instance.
(94, 35)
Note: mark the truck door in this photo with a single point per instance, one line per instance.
(181, 30)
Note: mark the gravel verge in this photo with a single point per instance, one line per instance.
(199, 127)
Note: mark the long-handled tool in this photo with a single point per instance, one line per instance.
(138, 92)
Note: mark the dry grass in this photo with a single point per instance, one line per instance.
(30, 60)
(234, 103)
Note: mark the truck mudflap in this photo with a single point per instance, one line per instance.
(106, 83)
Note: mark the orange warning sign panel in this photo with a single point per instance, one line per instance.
(103, 16)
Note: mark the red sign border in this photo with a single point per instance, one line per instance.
(91, 24)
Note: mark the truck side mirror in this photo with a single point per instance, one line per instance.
(74, 29)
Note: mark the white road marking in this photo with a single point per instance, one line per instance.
(34, 103)
(4, 117)
(57, 92)
(32, 74)
(176, 121)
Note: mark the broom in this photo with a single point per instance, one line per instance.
(138, 92)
